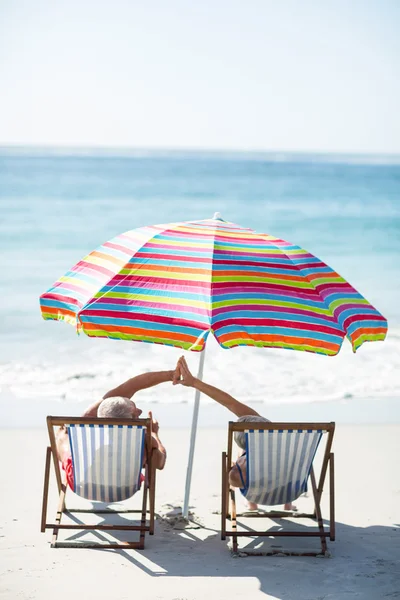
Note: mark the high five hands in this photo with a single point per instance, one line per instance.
(182, 375)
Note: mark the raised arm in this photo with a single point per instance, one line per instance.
(91, 410)
(140, 382)
(186, 378)
(130, 387)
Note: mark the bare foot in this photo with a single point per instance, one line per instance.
(252, 506)
(290, 506)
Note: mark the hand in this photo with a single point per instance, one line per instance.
(185, 376)
(176, 375)
(154, 425)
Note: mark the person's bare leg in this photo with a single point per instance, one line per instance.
(235, 480)
(290, 506)
(62, 443)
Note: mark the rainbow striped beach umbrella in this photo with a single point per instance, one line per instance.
(174, 284)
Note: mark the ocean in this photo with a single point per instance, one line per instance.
(56, 206)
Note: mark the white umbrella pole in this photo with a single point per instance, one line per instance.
(185, 510)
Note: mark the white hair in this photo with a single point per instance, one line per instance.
(240, 436)
(116, 407)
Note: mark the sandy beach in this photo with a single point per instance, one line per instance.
(218, 180)
(191, 563)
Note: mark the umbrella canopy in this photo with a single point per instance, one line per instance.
(173, 284)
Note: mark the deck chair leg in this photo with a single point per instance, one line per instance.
(332, 495)
(61, 505)
(318, 512)
(45, 489)
(224, 507)
(152, 497)
(233, 520)
(143, 520)
(227, 504)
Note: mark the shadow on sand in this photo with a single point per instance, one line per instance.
(364, 561)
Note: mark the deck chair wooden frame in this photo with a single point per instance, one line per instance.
(147, 490)
(228, 509)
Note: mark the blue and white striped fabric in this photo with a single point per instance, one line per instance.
(107, 460)
(279, 464)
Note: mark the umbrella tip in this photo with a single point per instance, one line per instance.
(217, 217)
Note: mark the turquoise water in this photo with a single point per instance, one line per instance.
(56, 208)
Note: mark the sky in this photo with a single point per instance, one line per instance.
(217, 74)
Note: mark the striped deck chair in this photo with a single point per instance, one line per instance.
(107, 458)
(279, 463)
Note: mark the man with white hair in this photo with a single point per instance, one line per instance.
(237, 474)
(118, 403)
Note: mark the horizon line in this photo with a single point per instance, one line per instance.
(143, 151)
